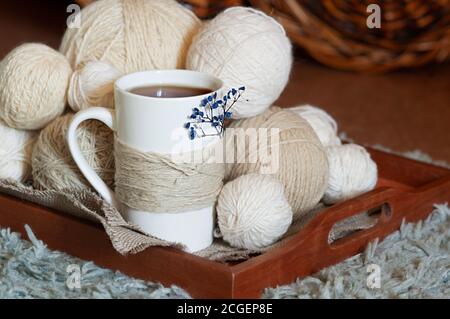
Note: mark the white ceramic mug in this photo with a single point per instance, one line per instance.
(150, 125)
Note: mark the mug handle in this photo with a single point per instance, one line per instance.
(105, 116)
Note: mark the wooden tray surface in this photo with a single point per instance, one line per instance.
(406, 190)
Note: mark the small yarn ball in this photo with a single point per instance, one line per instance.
(323, 123)
(52, 163)
(33, 84)
(352, 173)
(245, 47)
(253, 212)
(93, 85)
(15, 153)
(301, 165)
(132, 35)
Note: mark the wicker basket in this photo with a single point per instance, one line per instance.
(335, 32)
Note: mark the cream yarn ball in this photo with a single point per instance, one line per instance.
(352, 173)
(53, 166)
(245, 47)
(301, 164)
(15, 153)
(33, 84)
(253, 212)
(93, 85)
(132, 35)
(323, 124)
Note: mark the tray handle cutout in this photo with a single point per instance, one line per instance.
(354, 225)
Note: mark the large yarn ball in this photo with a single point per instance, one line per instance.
(253, 212)
(132, 35)
(323, 123)
(53, 166)
(294, 155)
(245, 47)
(352, 173)
(33, 84)
(93, 85)
(15, 153)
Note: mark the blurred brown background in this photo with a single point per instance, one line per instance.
(404, 110)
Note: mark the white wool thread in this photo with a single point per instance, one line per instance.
(15, 153)
(53, 167)
(352, 173)
(253, 211)
(132, 35)
(33, 85)
(93, 85)
(245, 47)
(323, 123)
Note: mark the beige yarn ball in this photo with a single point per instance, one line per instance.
(15, 153)
(245, 47)
(301, 164)
(253, 212)
(352, 173)
(132, 35)
(93, 85)
(33, 84)
(53, 166)
(323, 124)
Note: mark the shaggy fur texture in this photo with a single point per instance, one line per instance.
(414, 263)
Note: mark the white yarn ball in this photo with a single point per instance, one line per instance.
(15, 153)
(33, 86)
(93, 85)
(245, 47)
(132, 35)
(253, 211)
(53, 167)
(323, 123)
(352, 173)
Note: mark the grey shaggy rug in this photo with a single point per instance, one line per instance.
(413, 262)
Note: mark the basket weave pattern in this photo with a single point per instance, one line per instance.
(335, 32)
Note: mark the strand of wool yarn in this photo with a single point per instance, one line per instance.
(323, 123)
(153, 182)
(93, 85)
(132, 35)
(295, 155)
(52, 163)
(252, 219)
(352, 173)
(33, 84)
(15, 153)
(245, 47)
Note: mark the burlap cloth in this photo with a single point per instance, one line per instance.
(129, 239)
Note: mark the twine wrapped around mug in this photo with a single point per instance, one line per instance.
(153, 182)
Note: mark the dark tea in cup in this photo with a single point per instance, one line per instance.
(170, 91)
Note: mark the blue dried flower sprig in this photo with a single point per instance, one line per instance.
(212, 112)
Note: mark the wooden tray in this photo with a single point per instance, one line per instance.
(406, 190)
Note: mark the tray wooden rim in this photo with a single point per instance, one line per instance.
(409, 187)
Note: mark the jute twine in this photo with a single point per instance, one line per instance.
(153, 182)
(303, 164)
